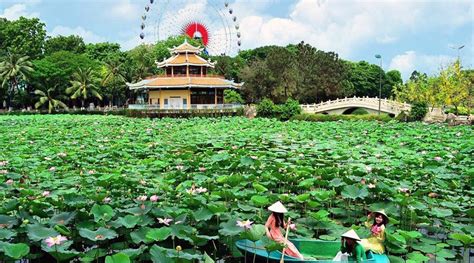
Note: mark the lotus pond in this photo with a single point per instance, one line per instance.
(117, 189)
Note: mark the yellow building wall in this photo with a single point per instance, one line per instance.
(161, 95)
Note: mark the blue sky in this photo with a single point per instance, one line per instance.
(409, 34)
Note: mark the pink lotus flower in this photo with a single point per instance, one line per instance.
(106, 200)
(57, 240)
(165, 221)
(62, 154)
(91, 172)
(362, 181)
(202, 169)
(154, 198)
(371, 186)
(247, 224)
(293, 226)
(438, 159)
(47, 158)
(46, 193)
(142, 198)
(3, 171)
(3, 163)
(52, 169)
(9, 182)
(179, 167)
(234, 147)
(254, 157)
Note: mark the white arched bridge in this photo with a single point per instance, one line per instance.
(347, 105)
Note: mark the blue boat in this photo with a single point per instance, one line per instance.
(317, 251)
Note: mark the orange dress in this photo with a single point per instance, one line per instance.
(274, 233)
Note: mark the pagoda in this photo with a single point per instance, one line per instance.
(184, 84)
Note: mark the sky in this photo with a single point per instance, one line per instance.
(421, 35)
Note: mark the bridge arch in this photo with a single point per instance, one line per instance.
(347, 105)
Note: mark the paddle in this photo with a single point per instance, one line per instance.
(286, 238)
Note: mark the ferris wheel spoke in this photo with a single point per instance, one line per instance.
(212, 20)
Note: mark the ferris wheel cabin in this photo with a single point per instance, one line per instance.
(184, 84)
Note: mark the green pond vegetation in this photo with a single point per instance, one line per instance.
(123, 189)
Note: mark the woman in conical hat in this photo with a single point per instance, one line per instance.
(350, 248)
(272, 227)
(377, 232)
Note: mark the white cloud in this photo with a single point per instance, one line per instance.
(125, 10)
(345, 26)
(409, 61)
(16, 11)
(88, 36)
(386, 39)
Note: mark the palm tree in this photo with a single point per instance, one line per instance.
(47, 97)
(13, 69)
(114, 77)
(83, 85)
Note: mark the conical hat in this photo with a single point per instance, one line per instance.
(382, 212)
(277, 207)
(351, 234)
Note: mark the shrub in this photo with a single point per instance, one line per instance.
(460, 111)
(360, 111)
(402, 116)
(232, 96)
(418, 111)
(289, 109)
(266, 108)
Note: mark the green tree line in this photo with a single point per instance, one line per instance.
(68, 70)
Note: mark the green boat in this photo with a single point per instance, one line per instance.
(317, 251)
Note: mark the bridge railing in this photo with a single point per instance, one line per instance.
(360, 101)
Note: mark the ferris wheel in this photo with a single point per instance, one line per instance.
(214, 22)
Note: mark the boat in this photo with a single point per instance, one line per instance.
(317, 251)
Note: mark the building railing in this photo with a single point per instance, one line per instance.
(189, 75)
(183, 107)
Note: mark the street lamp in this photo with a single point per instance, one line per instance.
(380, 81)
(458, 48)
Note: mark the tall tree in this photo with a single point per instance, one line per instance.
(454, 85)
(113, 78)
(282, 65)
(143, 59)
(394, 78)
(25, 36)
(103, 51)
(13, 69)
(83, 85)
(258, 81)
(47, 97)
(58, 68)
(322, 74)
(73, 44)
